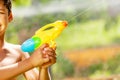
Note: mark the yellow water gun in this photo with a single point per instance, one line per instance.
(46, 34)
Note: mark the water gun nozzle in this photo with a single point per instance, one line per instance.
(65, 23)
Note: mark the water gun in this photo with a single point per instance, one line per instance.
(45, 34)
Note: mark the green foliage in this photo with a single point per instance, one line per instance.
(22, 2)
(63, 67)
(45, 1)
(11, 33)
(112, 66)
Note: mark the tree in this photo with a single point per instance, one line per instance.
(28, 2)
(22, 2)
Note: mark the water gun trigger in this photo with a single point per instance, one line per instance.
(52, 44)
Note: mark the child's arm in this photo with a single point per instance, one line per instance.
(11, 71)
(43, 73)
(43, 70)
(31, 74)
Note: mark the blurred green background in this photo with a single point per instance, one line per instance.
(91, 24)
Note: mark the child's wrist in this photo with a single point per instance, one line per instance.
(30, 62)
(44, 68)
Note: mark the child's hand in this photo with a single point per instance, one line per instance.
(41, 55)
(49, 53)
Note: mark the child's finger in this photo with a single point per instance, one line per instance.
(53, 59)
(44, 45)
(51, 54)
(48, 49)
(54, 48)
